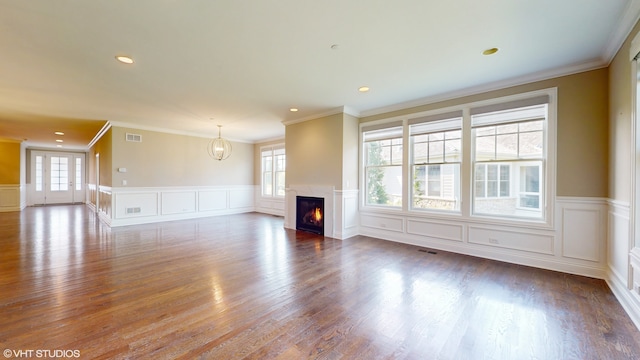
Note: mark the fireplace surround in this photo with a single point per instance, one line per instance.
(340, 209)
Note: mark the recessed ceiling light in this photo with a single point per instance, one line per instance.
(490, 51)
(124, 59)
(59, 133)
(363, 88)
(59, 140)
(293, 109)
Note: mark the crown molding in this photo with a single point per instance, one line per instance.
(484, 88)
(99, 135)
(172, 131)
(627, 21)
(269, 140)
(338, 110)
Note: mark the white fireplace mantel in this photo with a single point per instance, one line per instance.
(325, 192)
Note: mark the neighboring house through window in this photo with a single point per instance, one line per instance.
(509, 152)
(493, 158)
(436, 151)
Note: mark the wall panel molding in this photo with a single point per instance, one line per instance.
(569, 246)
(150, 204)
(12, 198)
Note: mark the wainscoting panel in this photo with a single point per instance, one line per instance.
(105, 204)
(212, 200)
(10, 198)
(241, 198)
(135, 204)
(619, 244)
(382, 222)
(269, 205)
(440, 230)
(179, 202)
(581, 234)
(623, 260)
(346, 213)
(568, 246)
(511, 239)
(148, 205)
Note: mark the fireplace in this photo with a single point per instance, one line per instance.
(310, 214)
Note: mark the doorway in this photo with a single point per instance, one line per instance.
(57, 178)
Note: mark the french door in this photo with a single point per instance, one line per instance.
(57, 178)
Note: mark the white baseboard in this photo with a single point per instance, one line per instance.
(630, 302)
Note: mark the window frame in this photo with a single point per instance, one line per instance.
(547, 173)
(273, 172)
(446, 130)
(487, 124)
(499, 166)
(367, 168)
(524, 192)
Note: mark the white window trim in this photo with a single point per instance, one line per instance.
(271, 148)
(402, 165)
(486, 182)
(519, 192)
(548, 179)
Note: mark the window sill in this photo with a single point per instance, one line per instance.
(458, 217)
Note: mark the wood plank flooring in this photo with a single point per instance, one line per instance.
(242, 286)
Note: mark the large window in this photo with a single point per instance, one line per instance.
(273, 171)
(383, 166)
(493, 158)
(508, 153)
(436, 152)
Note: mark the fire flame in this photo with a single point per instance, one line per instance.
(317, 215)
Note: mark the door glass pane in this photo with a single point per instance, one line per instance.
(59, 173)
(78, 174)
(39, 173)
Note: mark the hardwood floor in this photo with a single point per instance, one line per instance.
(242, 286)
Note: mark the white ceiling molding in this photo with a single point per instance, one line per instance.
(546, 75)
(99, 135)
(207, 134)
(338, 110)
(630, 17)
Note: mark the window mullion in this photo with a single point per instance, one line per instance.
(273, 173)
(467, 176)
(406, 167)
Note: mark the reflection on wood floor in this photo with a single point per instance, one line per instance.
(242, 286)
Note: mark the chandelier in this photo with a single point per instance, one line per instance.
(219, 148)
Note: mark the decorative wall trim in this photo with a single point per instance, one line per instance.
(584, 228)
(155, 204)
(268, 205)
(12, 198)
(346, 216)
(619, 243)
(629, 300)
(105, 204)
(569, 246)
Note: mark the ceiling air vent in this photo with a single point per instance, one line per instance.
(134, 137)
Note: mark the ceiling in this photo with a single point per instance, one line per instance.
(244, 64)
